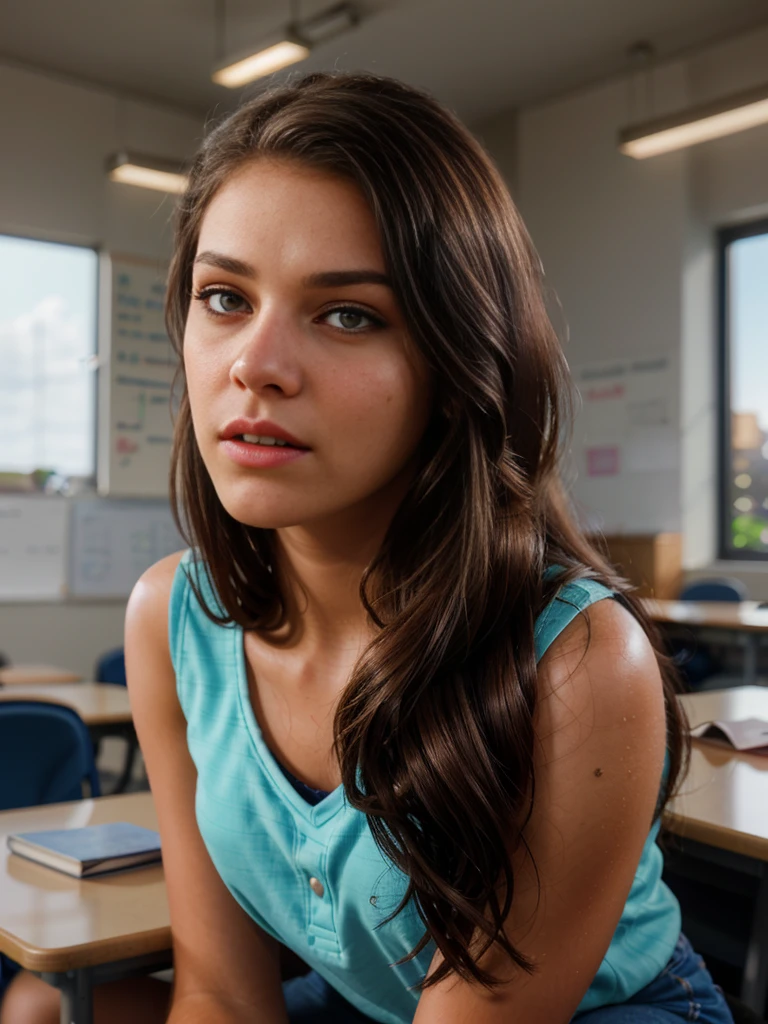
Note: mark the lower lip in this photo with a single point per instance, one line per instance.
(261, 456)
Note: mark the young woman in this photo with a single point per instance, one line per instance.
(399, 716)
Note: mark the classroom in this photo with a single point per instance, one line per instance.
(633, 141)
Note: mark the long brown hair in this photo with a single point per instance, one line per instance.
(438, 714)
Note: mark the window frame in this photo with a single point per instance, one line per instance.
(90, 481)
(725, 237)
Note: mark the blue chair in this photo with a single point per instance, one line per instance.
(719, 589)
(110, 668)
(697, 664)
(45, 754)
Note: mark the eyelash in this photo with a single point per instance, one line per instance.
(205, 293)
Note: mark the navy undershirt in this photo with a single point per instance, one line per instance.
(312, 796)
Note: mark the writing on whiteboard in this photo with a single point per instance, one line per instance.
(137, 431)
(113, 543)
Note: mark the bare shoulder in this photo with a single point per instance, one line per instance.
(149, 598)
(147, 654)
(600, 675)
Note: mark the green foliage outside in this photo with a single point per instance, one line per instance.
(747, 532)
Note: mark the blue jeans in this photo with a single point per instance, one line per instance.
(683, 991)
(8, 970)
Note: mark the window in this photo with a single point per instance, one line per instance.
(744, 392)
(47, 355)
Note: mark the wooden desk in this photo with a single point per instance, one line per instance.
(740, 617)
(98, 704)
(74, 933)
(105, 928)
(723, 804)
(23, 675)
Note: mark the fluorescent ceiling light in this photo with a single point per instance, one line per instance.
(701, 124)
(289, 47)
(146, 172)
(240, 71)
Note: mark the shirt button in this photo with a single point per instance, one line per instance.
(316, 886)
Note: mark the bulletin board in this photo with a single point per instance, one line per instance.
(626, 444)
(137, 366)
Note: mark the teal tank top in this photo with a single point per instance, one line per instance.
(312, 876)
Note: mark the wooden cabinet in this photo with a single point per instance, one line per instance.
(652, 562)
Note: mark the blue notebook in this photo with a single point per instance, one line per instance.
(93, 850)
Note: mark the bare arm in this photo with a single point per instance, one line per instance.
(227, 969)
(601, 735)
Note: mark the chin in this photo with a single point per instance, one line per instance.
(262, 511)
(260, 515)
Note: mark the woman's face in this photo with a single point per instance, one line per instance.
(294, 334)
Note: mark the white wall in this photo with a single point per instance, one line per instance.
(629, 248)
(499, 136)
(610, 233)
(55, 139)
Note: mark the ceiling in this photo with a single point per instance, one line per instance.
(477, 56)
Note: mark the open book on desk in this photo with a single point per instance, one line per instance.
(749, 734)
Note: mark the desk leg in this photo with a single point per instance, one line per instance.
(751, 649)
(128, 733)
(754, 987)
(76, 986)
(76, 989)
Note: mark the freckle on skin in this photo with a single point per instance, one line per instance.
(598, 772)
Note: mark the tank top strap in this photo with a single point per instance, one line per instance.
(195, 641)
(570, 600)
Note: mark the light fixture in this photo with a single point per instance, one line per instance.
(699, 124)
(288, 47)
(237, 71)
(146, 172)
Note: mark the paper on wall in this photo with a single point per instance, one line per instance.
(33, 554)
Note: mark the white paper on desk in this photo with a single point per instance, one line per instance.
(749, 734)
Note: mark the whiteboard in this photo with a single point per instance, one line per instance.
(33, 555)
(137, 366)
(113, 542)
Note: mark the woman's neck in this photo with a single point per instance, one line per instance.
(320, 567)
(321, 585)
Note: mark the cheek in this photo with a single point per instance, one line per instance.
(203, 374)
(202, 381)
(384, 409)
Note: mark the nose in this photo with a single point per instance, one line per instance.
(268, 356)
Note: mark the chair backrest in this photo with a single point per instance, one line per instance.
(45, 754)
(110, 668)
(718, 589)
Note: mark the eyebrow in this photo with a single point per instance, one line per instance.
(325, 279)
